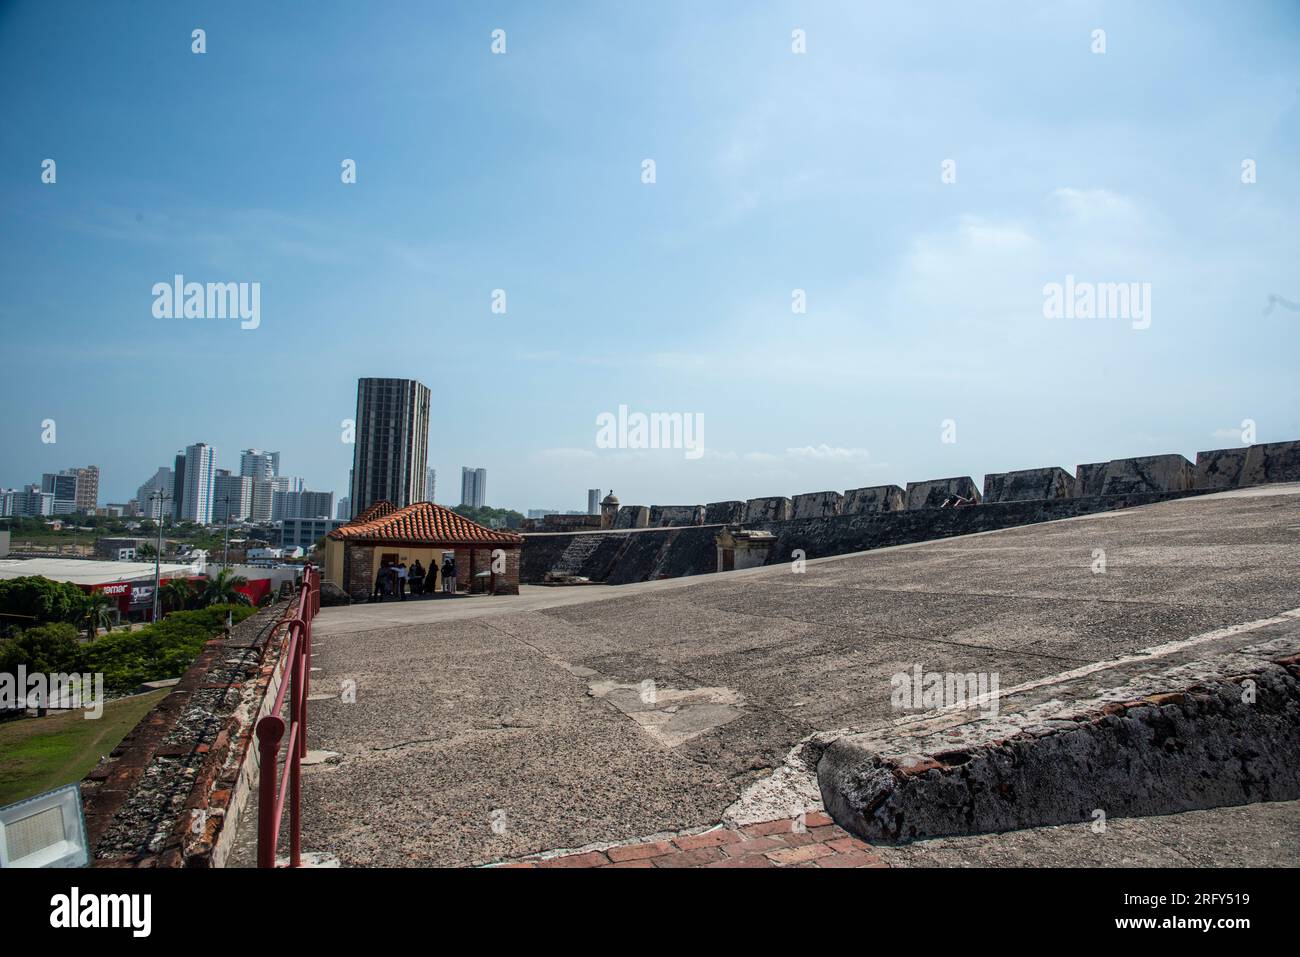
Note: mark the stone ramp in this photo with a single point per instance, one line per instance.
(1206, 722)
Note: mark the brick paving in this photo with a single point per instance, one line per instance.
(814, 841)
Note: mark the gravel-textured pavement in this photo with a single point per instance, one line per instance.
(491, 728)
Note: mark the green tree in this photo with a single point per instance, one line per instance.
(491, 517)
(176, 594)
(96, 612)
(164, 649)
(222, 589)
(34, 600)
(51, 648)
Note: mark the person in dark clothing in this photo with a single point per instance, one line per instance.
(431, 580)
(449, 575)
(417, 578)
(381, 584)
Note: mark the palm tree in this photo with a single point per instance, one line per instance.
(222, 589)
(176, 594)
(96, 613)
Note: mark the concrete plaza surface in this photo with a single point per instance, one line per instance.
(490, 729)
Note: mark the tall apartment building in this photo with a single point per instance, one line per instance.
(63, 486)
(31, 502)
(344, 512)
(269, 497)
(256, 464)
(285, 490)
(151, 505)
(232, 497)
(593, 501)
(391, 454)
(473, 486)
(315, 504)
(199, 478)
(178, 484)
(430, 484)
(301, 503)
(87, 488)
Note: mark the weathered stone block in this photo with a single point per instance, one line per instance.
(1147, 473)
(775, 509)
(1219, 468)
(933, 493)
(817, 504)
(664, 516)
(874, 498)
(1274, 462)
(1027, 485)
(724, 513)
(632, 516)
(1088, 479)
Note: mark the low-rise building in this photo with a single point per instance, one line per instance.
(306, 532)
(118, 549)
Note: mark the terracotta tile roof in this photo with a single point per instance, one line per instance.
(376, 510)
(418, 523)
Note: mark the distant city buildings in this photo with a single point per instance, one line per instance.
(27, 502)
(303, 504)
(232, 497)
(344, 512)
(593, 501)
(390, 457)
(192, 490)
(473, 486)
(430, 484)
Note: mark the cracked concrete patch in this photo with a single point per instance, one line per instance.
(790, 790)
(671, 716)
(321, 757)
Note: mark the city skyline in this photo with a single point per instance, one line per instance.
(757, 195)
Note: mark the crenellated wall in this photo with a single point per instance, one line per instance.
(817, 505)
(874, 498)
(823, 524)
(1027, 485)
(935, 492)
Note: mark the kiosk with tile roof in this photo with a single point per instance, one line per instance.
(355, 552)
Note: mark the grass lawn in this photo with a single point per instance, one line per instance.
(39, 754)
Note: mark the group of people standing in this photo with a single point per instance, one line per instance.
(394, 579)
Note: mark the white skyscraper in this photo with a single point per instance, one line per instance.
(473, 486)
(200, 474)
(256, 464)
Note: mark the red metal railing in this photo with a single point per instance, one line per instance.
(270, 732)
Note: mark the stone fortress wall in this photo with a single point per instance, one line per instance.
(651, 542)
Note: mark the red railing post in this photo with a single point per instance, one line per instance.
(269, 732)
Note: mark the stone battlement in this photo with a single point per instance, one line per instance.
(823, 524)
(1214, 470)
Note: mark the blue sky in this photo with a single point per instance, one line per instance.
(775, 172)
